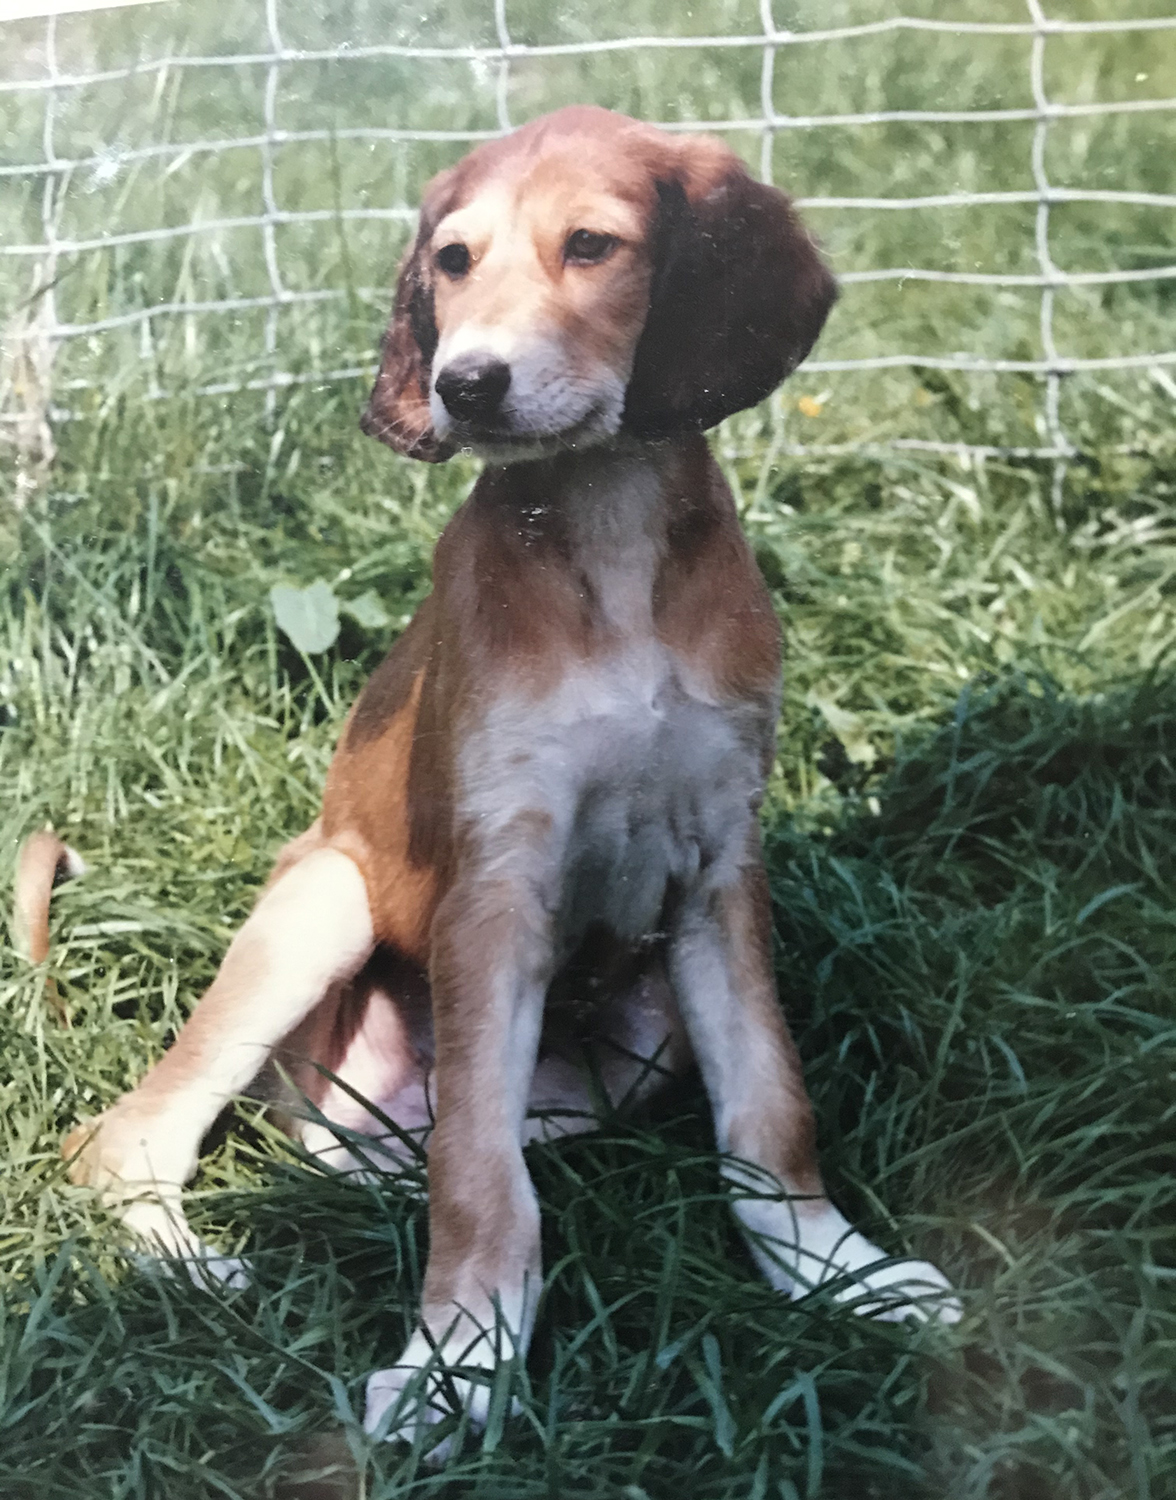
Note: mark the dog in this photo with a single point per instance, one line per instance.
(536, 887)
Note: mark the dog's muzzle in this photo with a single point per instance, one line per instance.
(472, 388)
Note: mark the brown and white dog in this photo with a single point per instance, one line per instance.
(536, 886)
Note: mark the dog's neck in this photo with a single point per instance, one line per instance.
(609, 492)
(603, 517)
(604, 496)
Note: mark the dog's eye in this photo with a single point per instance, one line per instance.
(587, 247)
(454, 260)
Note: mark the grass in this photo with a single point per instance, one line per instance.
(970, 835)
(188, 111)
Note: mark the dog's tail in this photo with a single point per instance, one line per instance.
(43, 862)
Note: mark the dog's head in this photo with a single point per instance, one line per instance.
(587, 276)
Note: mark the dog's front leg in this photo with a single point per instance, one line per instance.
(491, 965)
(720, 964)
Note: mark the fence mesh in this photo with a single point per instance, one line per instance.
(194, 202)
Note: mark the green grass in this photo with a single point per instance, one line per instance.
(357, 256)
(970, 835)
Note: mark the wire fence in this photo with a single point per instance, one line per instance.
(41, 386)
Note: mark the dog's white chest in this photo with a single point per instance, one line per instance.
(616, 794)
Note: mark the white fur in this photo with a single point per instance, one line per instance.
(799, 1246)
(421, 1388)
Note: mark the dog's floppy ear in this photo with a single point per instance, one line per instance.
(398, 410)
(738, 297)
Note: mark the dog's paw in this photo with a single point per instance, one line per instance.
(169, 1243)
(105, 1155)
(204, 1267)
(896, 1290)
(422, 1389)
(425, 1387)
(210, 1268)
(803, 1245)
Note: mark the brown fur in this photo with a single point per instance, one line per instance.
(775, 1128)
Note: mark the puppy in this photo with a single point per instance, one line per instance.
(536, 888)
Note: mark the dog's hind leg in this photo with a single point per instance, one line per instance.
(371, 1108)
(311, 929)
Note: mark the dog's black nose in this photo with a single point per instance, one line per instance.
(472, 386)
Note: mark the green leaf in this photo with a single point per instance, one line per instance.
(367, 611)
(712, 1389)
(309, 617)
(1102, 898)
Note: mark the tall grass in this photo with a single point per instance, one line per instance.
(113, 190)
(970, 835)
